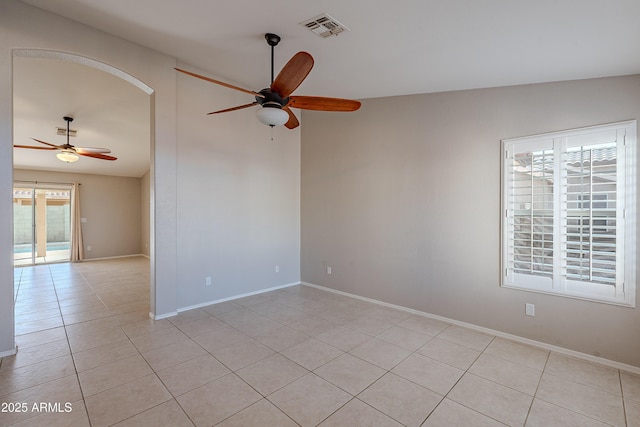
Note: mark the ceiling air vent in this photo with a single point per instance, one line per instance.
(324, 26)
(63, 131)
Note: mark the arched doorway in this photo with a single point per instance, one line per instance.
(62, 84)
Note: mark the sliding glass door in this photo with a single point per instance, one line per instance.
(23, 229)
(41, 224)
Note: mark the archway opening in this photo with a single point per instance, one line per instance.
(111, 109)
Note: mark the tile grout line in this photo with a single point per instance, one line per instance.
(112, 316)
(64, 325)
(458, 380)
(342, 352)
(535, 393)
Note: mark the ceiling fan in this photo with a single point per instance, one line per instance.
(276, 100)
(69, 153)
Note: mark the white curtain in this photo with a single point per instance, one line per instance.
(77, 248)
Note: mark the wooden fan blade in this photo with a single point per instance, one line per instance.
(323, 104)
(94, 150)
(35, 148)
(293, 120)
(218, 82)
(293, 74)
(46, 143)
(98, 156)
(240, 107)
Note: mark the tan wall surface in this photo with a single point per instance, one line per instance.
(145, 214)
(111, 205)
(402, 200)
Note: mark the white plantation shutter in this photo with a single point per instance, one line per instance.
(591, 214)
(530, 182)
(564, 225)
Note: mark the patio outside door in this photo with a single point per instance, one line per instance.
(41, 224)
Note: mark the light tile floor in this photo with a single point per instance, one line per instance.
(296, 356)
(25, 258)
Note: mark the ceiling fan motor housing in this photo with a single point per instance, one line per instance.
(271, 99)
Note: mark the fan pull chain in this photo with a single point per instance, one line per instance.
(271, 132)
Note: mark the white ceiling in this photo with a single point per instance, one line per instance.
(108, 112)
(393, 47)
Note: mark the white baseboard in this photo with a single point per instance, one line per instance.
(248, 294)
(533, 343)
(217, 301)
(112, 257)
(162, 316)
(11, 352)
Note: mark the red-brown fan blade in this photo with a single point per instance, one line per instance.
(98, 156)
(35, 148)
(293, 120)
(218, 82)
(91, 150)
(45, 143)
(240, 107)
(293, 74)
(323, 104)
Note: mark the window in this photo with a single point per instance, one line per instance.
(568, 224)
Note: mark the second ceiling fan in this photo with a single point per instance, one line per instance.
(276, 101)
(69, 153)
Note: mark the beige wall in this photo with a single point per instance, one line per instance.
(145, 214)
(402, 200)
(111, 205)
(238, 197)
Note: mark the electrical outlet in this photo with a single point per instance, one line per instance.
(89, 248)
(277, 269)
(530, 309)
(207, 281)
(328, 270)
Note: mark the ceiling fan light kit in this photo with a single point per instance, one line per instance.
(67, 156)
(272, 116)
(276, 101)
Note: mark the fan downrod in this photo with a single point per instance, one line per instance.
(68, 119)
(272, 40)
